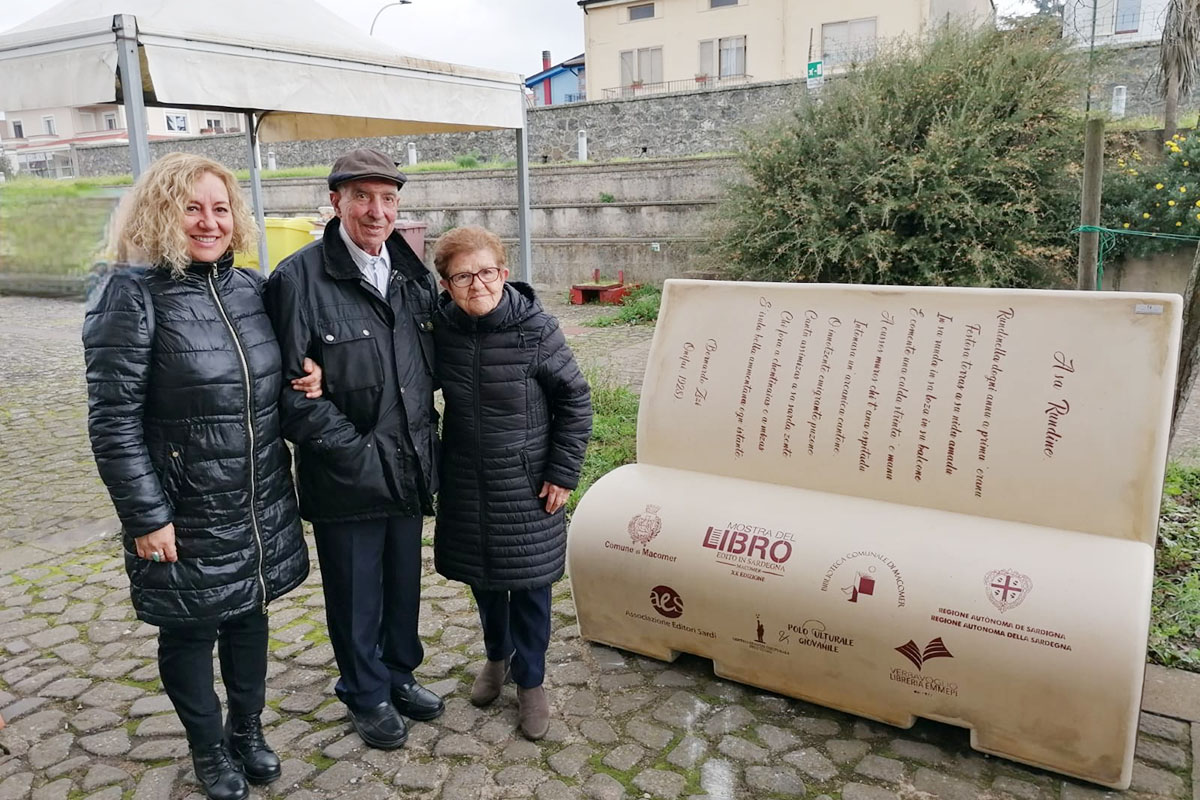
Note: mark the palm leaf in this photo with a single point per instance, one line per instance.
(1180, 48)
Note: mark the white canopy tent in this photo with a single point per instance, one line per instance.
(295, 69)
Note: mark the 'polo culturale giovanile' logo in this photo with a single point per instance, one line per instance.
(1007, 588)
(666, 601)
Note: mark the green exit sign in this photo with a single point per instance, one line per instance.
(816, 70)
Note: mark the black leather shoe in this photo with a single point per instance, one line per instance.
(217, 774)
(380, 727)
(249, 749)
(416, 702)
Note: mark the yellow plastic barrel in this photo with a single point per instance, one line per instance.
(285, 235)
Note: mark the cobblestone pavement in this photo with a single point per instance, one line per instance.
(616, 353)
(87, 717)
(48, 482)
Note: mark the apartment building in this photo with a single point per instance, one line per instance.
(41, 141)
(1114, 22)
(639, 46)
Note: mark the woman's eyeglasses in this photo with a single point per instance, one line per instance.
(464, 279)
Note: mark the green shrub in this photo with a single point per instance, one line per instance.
(467, 162)
(1154, 193)
(639, 307)
(946, 161)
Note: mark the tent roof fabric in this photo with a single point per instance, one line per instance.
(317, 75)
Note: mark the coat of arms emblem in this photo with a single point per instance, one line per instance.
(644, 527)
(1007, 588)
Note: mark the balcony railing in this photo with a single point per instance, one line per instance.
(699, 83)
(855, 51)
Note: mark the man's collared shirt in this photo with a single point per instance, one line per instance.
(375, 269)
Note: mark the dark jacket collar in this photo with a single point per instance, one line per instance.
(517, 304)
(222, 263)
(340, 266)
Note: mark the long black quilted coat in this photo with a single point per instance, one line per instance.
(518, 412)
(184, 423)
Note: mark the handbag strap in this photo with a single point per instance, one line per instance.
(140, 273)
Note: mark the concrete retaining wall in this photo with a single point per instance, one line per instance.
(683, 124)
(1162, 272)
(652, 228)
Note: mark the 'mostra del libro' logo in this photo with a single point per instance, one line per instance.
(750, 551)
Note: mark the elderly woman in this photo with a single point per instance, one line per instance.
(184, 377)
(518, 417)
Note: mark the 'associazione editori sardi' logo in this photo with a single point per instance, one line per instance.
(666, 601)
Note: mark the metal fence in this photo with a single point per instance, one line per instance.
(699, 83)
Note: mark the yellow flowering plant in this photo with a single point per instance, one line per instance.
(1132, 197)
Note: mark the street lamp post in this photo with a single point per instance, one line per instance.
(380, 11)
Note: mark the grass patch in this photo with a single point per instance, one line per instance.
(623, 778)
(320, 761)
(614, 433)
(318, 635)
(1148, 122)
(1175, 603)
(52, 227)
(639, 307)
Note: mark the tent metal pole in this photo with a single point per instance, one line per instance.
(523, 217)
(125, 28)
(256, 193)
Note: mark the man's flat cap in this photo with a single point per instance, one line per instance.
(365, 164)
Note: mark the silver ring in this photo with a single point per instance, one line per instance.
(156, 556)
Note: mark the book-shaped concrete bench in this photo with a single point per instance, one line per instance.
(900, 503)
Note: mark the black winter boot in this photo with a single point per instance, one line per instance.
(217, 774)
(250, 750)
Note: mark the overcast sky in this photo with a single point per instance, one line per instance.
(509, 35)
(502, 34)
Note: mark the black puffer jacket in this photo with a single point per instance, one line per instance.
(366, 449)
(518, 412)
(184, 422)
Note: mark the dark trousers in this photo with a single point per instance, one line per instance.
(517, 625)
(371, 574)
(185, 666)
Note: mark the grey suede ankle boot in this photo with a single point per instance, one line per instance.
(533, 712)
(489, 681)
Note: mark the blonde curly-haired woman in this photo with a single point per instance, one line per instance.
(184, 376)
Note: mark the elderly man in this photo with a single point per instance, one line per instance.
(360, 303)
